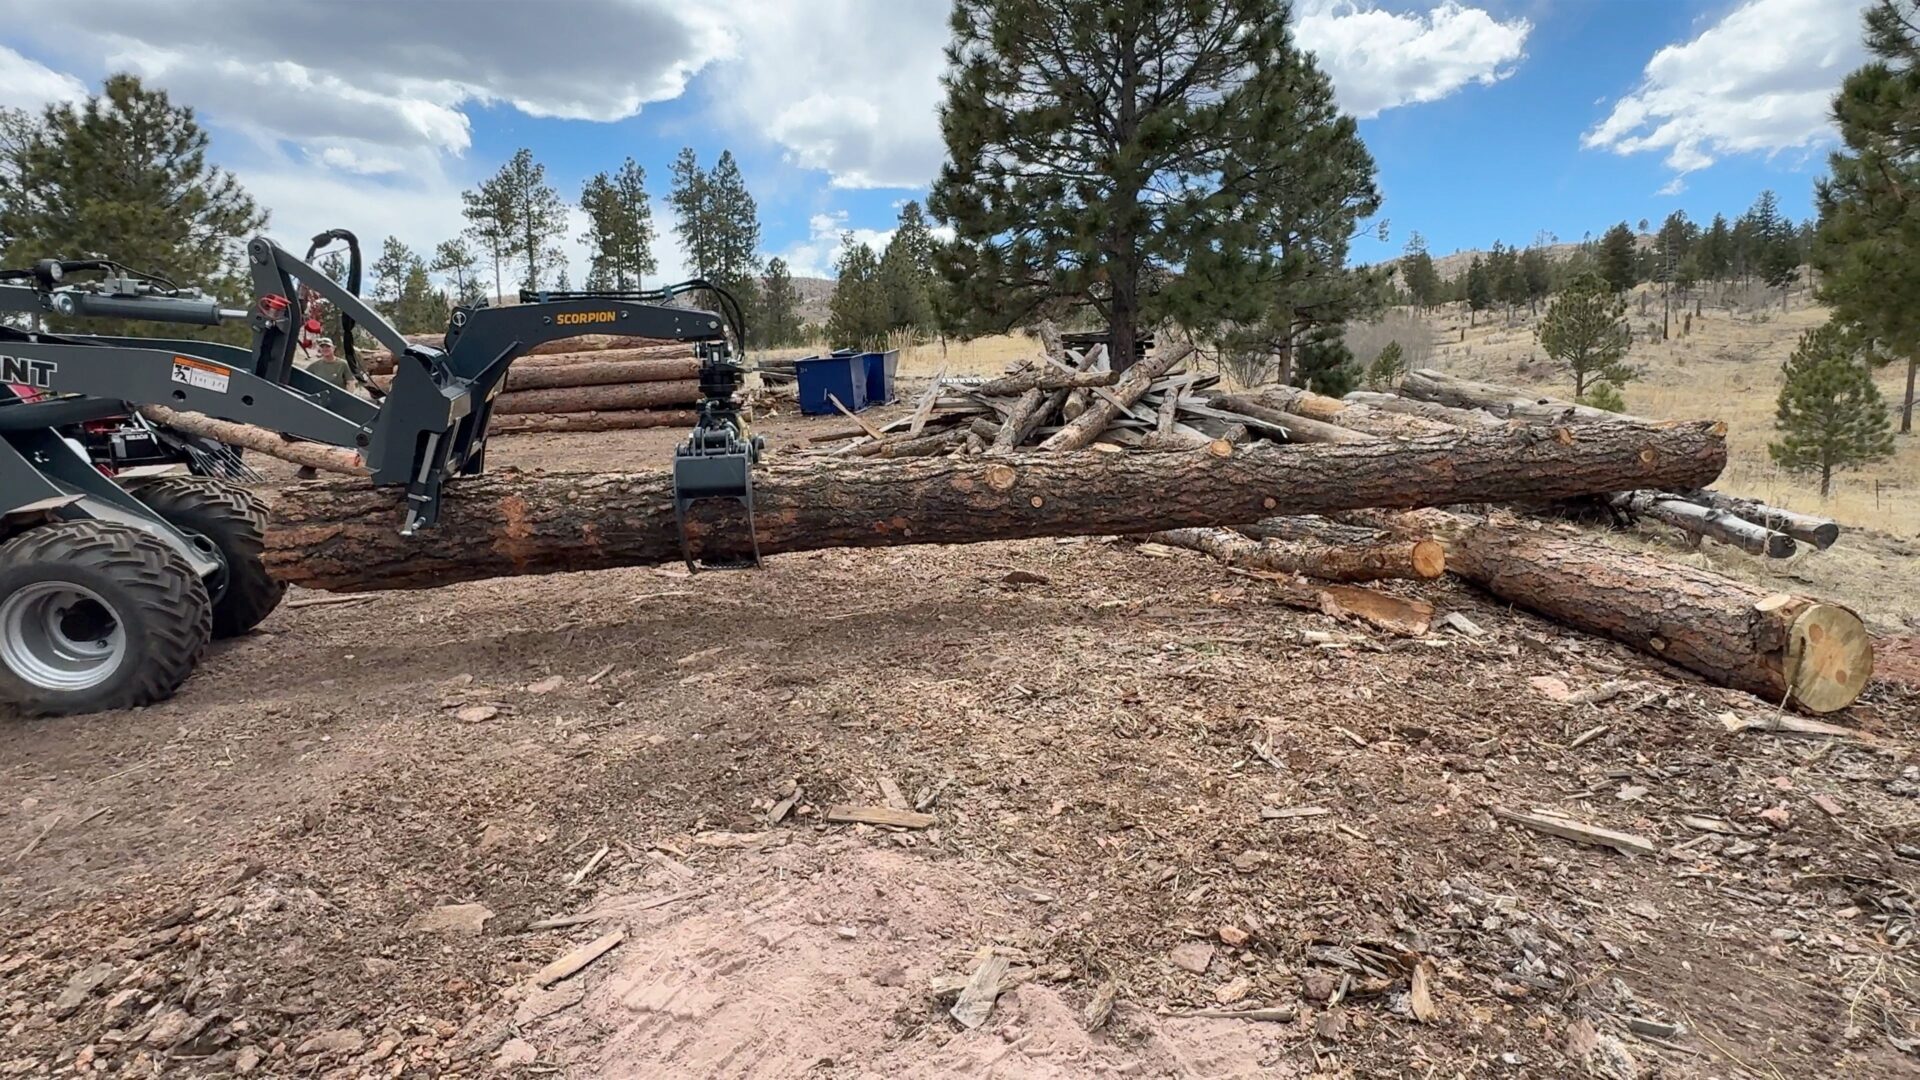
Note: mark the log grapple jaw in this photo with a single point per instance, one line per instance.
(716, 462)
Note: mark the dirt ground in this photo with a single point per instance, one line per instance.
(327, 855)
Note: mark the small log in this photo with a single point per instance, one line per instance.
(646, 395)
(312, 455)
(1298, 428)
(1807, 528)
(1505, 402)
(899, 446)
(1447, 415)
(1047, 378)
(548, 376)
(1378, 560)
(1131, 387)
(1349, 413)
(881, 815)
(1698, 520)
(1019, 422)
(613, 420)
(1348, 553)
(1076, 399)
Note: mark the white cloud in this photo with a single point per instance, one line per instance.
(390, 74)
(1381, 59)
(1761, 79)
(850, 87)
(29, 84)
(1675, 186)
(826, 240)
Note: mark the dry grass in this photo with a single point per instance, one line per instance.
(922, 360)
(1727, 368)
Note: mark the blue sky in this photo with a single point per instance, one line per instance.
(1489, 119)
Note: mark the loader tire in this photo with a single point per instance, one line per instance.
(230, 519)
(96, 615)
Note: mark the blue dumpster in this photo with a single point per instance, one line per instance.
(881, 367)
(842, 375)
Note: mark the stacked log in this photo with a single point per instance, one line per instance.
(619, 384)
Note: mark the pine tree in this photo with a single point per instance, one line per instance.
(779, 322)
(1867, 242)
(619, 228)
(493, 222)
(1206, 142)
(691, 204)
(1583, 330)
(907, 273)
(1830, 416)
(389, 272)
(422, 309)
(1386, 369)
(125, 174)
(1716, 250)
(858, 312)
(1618, 254)
(1538, 275)
(538, 217)
(1326, 365)
(1418, 274)
(1479, 288)
(456, 258)
(736, 226)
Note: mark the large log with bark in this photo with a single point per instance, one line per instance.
(611, 373)
(1427, 411)
(345, 537)
(616, 420)
(1505, 402)
(1351, 414)
(1781, 647)
(566, 399)
(312, 455)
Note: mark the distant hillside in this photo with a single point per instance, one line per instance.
(1451, 266)
(815, 294)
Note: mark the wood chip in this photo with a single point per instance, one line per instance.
(976, 999)
(1420, 999)
(573, 962)
(332, 600)
(1578, 831)
(1275, 1016)
(1785, 724)
(591, 864)
(1100, 1009)
(881, 815)
(1587, 736)
(581, 918)
(890, 791)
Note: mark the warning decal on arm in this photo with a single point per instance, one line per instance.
(201, 373)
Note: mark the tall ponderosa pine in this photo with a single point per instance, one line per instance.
(539, 217)
(1774, 246)
(858, 312)
(719, 226)
(455, 258)
(1537, 274)
(779, 321)
(1618, 256)
(1418, 274)
(907, 273)
(125, 174)
(1867, 244)
(403, 290)
(1716, 250)
(1830, 416)
(1479, 288)
(1585, 331)
(1096, 146)
(619, 228)
(493, 223)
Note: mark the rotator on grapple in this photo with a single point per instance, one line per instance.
(112, 582)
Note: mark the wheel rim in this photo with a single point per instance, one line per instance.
(61, 636)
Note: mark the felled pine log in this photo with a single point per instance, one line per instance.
(1781, 647)
(503, 524)
(259, 440)
(1353, 415)
(612, 420)
(1383, 610)
(1328, 551)
(567, 399)
(1807, 528)
(611, 373)
(1424, 411)
(1722, 525)
(1503, 402)
(573, 358)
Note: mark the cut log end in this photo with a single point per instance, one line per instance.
(1429, 558)
(1829, 658)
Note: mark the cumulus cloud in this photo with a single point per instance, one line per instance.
(28, 84)
(1759, 80)
(849, 87)
(394, 74)
(827, 238)
(1382, 59)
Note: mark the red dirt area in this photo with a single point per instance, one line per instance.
(1199, 834)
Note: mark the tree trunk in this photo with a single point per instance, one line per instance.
(1772, 645)
(568, 399)
(1303, 429)
(1445, 416)
(617, 420)
(1047, 378)
(1818, 531)
(1131, 388)
(549, 376)
(1906, 409)
(313, 455)
(346, 537)
(1505, 402)
(1697, 520)
(1367, 557)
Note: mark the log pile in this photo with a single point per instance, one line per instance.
(599, 384)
